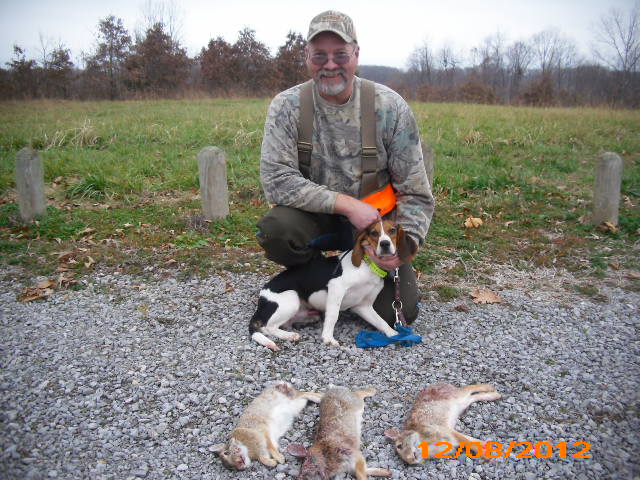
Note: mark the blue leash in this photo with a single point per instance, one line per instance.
(372, 339)
(405, 337)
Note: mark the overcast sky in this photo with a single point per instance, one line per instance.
(387, 30)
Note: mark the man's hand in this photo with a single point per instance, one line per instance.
(388, 263)
(360, 214)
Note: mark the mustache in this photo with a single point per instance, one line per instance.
(331, 73)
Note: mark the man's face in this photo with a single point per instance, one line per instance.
(334, 81)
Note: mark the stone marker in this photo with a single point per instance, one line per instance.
(30, 184)
(606, 197)
(428, 156)
(213, 183)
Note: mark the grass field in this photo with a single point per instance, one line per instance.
(122, 185)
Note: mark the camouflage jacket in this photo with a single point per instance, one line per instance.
(335, 161)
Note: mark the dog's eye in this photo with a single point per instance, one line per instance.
(374, 233)
(392, 231)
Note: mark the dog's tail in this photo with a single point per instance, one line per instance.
(260, 317)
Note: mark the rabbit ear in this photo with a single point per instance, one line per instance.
(358, 249)
(392, 433)
(219, 447)
(344, 452)
(297, 450)
(407, 247)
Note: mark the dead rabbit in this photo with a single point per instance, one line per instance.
(336, 448)
(433, 418)
(260, 427)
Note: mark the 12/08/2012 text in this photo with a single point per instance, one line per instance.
(505, 450)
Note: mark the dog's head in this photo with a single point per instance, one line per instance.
(386, 239)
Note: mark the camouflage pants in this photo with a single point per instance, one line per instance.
(292, 237)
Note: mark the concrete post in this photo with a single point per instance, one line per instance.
(213, 183)
(606, 198)
(428, 156)
(30, 184)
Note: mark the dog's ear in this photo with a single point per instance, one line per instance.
(407, 247)
(358, 249)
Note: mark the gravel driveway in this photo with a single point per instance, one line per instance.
(136, 377)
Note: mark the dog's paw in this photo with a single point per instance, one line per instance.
(332, 342)
(279, 457)
(291, 337)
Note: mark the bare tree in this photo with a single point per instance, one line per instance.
(421, 65)
(618, 39)
(449, 61)
(488, 61)
(45, 46)
(519, 57)
(164, 12)
(547, 46)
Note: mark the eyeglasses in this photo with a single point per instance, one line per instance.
(341, 58)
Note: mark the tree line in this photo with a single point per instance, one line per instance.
(154, 65)
(542, 70)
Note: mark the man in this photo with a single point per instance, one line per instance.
(327, 199)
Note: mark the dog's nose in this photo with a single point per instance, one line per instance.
(385, 244)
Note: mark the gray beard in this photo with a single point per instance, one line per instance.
(331, 89)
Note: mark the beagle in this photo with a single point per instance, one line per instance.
(331, 285)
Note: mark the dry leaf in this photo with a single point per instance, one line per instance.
(485, 296)
(608, 227)
(633, 276)
(90, 261)
(65, 279)
(41, 290)
(30, 294)
(472, 222)
(87, 230)
(462, 308)
(46, 284)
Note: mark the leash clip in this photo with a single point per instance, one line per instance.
(397, 303)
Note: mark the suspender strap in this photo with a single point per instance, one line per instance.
(369, 181)
(305, 129)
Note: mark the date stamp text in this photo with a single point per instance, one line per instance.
(578, 450)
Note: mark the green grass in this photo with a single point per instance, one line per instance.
(128, 172)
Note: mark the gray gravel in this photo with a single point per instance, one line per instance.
(136, 377)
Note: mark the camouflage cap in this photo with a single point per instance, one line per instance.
(332, 21)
